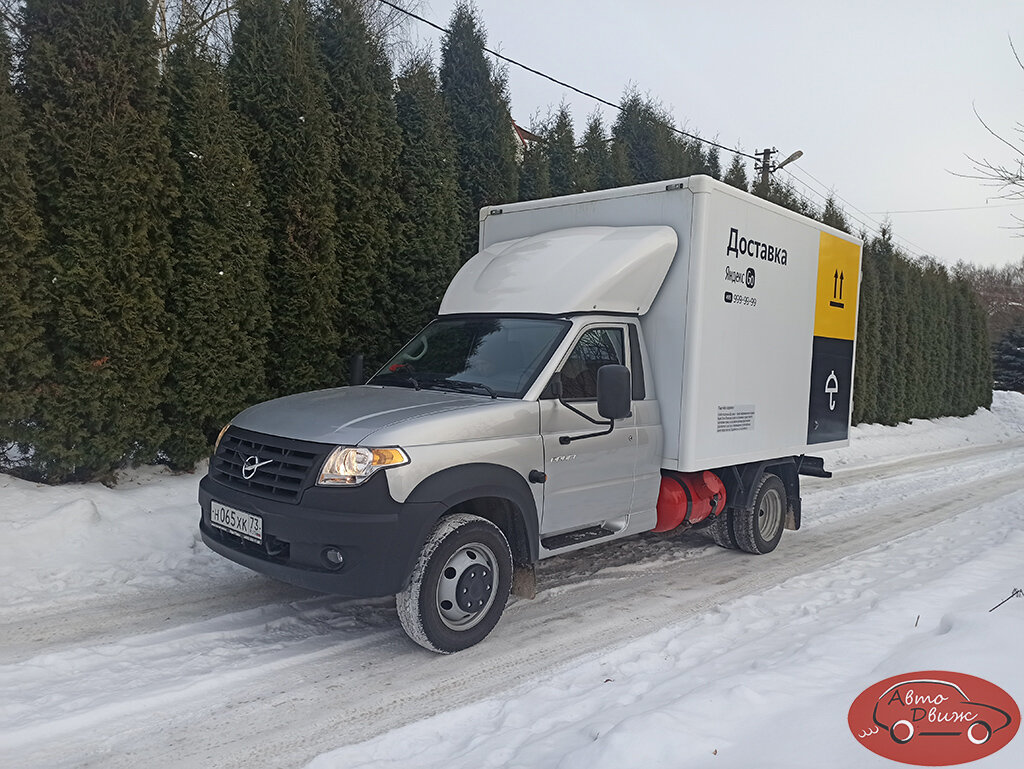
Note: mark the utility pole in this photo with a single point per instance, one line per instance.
(767, 167)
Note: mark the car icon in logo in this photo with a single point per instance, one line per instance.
(933, 708)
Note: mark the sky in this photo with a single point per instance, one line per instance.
(878, 94)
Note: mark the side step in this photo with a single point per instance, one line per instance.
(575, 537)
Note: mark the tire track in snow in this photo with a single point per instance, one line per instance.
(324, 689)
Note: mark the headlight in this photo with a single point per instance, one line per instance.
(350, 466)
(223, 430)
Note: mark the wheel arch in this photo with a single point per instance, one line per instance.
(741, 482)
(493, 492)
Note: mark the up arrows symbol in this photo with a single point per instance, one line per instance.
(837, 286)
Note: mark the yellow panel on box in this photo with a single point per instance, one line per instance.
(835, 310)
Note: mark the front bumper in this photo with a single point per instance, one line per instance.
(379, 538)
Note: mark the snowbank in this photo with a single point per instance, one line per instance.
(80, 540)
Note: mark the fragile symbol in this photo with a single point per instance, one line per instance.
(832, 387)
(837, 291)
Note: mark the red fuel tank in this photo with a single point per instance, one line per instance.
(688, 498)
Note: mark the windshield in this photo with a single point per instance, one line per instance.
(487, 355)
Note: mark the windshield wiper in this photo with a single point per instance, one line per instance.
(460, 385)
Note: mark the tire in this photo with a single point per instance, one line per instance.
(720, 530)
(759, 530)
(459, 585)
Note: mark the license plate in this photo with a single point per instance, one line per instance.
(245, 525)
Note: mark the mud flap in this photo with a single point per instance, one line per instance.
(524, 581)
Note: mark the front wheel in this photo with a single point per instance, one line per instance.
(459, 585)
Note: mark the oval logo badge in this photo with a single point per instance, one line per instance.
(934, 718)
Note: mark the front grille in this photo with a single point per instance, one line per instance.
(284, 464)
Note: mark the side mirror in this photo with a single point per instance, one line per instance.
(554, 388)
(355, 370)
(614, 391)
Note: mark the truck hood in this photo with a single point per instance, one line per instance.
(347, 415)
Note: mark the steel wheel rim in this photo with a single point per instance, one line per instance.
(466, 586)
(769, 514)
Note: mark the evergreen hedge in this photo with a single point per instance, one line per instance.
(177, 244)
(105, 185)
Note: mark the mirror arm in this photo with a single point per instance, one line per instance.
(589, 418)
(565, 440)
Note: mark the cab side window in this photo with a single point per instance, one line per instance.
(597, 347)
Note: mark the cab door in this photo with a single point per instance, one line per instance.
(589, 481)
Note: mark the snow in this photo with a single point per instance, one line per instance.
(763, 676)
(87, 539)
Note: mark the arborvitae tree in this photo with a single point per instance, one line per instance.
(359, 87)
(535, 173)
(24, 360)
(561, 152)
(1008, 361)
(736, 175)
(913, 368)
(105, 186)
(834, 216)
(24, 357)
(981, 388)
(593, 163)
(431, 236)
(869, 342)
(784, 194)
(962, 403)
(476, 95)
(219, 293)
(934, 342)
(618, 172)
(891, 382)
(712, 163)
(954, 381)
(689, 157)
(642, 131)
(277, 82)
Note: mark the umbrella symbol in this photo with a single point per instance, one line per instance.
(832, 387)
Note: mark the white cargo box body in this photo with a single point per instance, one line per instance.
(751, 336)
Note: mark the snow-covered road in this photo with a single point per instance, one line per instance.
(132, 645)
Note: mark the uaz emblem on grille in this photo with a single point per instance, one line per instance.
(251, 465)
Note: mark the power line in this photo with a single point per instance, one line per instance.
(823, 198)
(913, 247)
(876, 229)
(562, 83)
(944, 210)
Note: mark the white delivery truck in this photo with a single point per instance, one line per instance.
(636, 359)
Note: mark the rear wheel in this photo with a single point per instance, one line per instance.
(759, 530)
(720, 530)
(459, 585)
